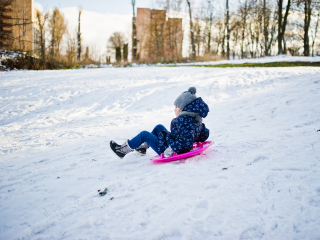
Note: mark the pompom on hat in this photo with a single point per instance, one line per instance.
(186, 98)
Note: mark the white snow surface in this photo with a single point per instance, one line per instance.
(278, 58)
(260, 180)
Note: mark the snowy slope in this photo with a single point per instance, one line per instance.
(260, 180)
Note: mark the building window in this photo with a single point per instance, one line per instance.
(24, 33)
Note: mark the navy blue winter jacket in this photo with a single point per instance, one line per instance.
(185, 130)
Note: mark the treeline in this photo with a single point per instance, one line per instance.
(118, 47)
(218, 29)
(226, 29)
(256, 28)
(58, 45)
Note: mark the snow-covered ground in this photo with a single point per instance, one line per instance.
(260, 180)
(278, 58)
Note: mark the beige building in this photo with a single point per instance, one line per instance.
(159, 37)
(19, 26)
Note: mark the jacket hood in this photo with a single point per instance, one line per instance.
(197, 106)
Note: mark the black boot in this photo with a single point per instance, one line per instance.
(120, 150)
(142, 149)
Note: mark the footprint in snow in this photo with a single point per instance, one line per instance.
(259, 159)
(200, 210)
(314, 201)
(211, 186)
(252, 233)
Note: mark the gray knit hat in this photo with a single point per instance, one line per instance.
(186, 98)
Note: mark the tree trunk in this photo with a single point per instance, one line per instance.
(125, 52)
(280, 27)
(134, 33)
(118, 54)
(209, 33)
(265, 28)
(42, 43)
(52, 35)
(282, 24)
(228, 32)
(79, 38)
(285, 22)
(315, 34)
(191, 31)
(223, 53)
(307, 19)
(244, 28)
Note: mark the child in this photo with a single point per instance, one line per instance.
(186, 129)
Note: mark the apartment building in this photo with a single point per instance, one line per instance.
(19, 26)
(158, 37)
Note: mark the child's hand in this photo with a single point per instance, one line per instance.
(168, 152)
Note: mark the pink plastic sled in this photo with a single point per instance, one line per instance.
(197, 148)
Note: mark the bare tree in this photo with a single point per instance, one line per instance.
(53, 31)
(235, 39)
(41, 18)
(92, 54)
(57, 26)
(116, 41)
(198, 38)
(228, 29)
(191, 31)
(256, 28)
(307, 20)
(208, 18)
(220, 37)
(79, 36)
(134, 32)
(244, 11)
(266, 21)
(315, 33)
(282, 23)
(308, 6)
(72, 46)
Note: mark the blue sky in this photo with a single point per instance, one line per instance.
(101, 6)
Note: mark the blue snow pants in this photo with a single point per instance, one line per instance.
(151, 138)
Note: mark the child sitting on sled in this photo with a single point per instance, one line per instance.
(186, 129)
